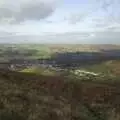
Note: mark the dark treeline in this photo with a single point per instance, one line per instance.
(86, 57)
(72, 58)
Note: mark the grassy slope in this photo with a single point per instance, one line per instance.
(109, 67)
(25, 96)
(40, 71)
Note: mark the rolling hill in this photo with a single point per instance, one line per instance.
(26, 96)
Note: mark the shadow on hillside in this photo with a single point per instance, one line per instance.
(65, 60)
(77, 59)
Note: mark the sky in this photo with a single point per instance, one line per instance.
(60, 21)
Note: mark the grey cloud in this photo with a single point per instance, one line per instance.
(104, 26)
(106, 4)
(107, 37)
(73, 19)
(112, 28)
(82, 16)
(5, 34)
(101, 25)
(76, 17)
(28, 10)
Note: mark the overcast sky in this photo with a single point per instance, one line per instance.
(60, 21)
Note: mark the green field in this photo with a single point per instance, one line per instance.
(35, 51)
(24, 51)
(40, 71)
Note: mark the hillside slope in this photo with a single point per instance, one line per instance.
(25, 96)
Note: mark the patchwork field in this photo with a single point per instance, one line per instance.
(45, 51)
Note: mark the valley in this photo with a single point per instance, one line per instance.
(41, 82)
